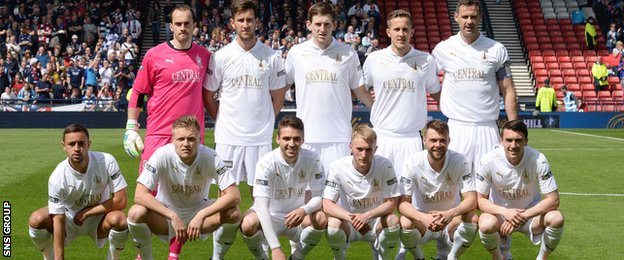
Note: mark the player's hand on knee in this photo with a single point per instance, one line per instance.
(514, 216)
(294, 218)
(193, 230)
(133, 144)
(278, 254)
(506, 229)
(79, 217)
(179, 228)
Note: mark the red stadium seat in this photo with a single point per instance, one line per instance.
(570, 80)
(541, 73)
(548, 52)
(618, 95)
(550, 59)
(613, 80)
(604, 94)
(552, 65)
(587, 87)
(539, 65)
(565, 65)
(583, 73)
(535, 59)
(564, 59)
(577, 57)
(574, 87)
(555, 72)
(589, 95)
(579, 65)
(609, 108)
(569, 73)
(556, 81)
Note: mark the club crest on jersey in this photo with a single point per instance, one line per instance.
(260, 64)
(448, 178)
(376, 185)
(484, 58)
(198, 62)
(98, 180)
(301, 175)
(338, 58)
(198, 171)
(416, 67)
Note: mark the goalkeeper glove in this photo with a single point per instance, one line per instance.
(132, 140)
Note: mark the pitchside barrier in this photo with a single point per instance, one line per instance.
(59, 119)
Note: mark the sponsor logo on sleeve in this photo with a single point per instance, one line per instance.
(332, 184)
(547, 176)
(150, 168)
(53, 199)
(228, 164)
(391, 181)
(222, 170)
(262, 182)
(480, 177)
(209, 71)
(405, 180)
(281, 73)
(318, 176)
(116, 175)
(466, 177)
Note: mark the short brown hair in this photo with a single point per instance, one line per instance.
(187, 121)
(182, 8)
(323, 9)
(476, 3)
(516, 126)
(437, 125)
(365, 133)
(399, 13)
(75, 128)
(243, 5)
(290, 121)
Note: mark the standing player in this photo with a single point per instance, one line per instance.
(250, 78)
(507, 185)
(172, 75)
(79, 201)
(438, 177)
(287, 197)
(182, 172)
(325, 72)
(400, 75)
(476, 71)
(368, 192)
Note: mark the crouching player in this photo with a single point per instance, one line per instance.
(79, 202)
(368, 190)
(437, 177)
(287, 197)
(514, 173)
(183, 171)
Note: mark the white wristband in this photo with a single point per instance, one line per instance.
(132, 124)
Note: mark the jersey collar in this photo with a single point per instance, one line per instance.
(463, 43)
(173, 47)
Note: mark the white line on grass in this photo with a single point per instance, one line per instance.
(591, 194)
(590, 135)
(580, 149)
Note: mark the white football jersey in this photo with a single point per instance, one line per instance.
(400, 85)
(70, 191)
(180, 185)
(437, 191)
(285, 185)
(324, 80)
(360, 193)
(515, 186)
(470, 91)
(244, 80)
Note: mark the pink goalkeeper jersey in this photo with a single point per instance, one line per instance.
(173, 80)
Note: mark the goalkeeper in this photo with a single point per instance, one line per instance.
(172, 76)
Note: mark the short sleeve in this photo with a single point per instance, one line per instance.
(431, 74)
(467, 182)
(357, 79)
(224, 175)
(409, 183)
(116, 179)
(332, 184)
(213, 76)
(318, 177)
(483, 179)
(56, 196)
(437, 56)
(261, 181)
(151, 169)
(367, 71)
(289, 68)
(277, 79)
(546, 179)
(390, 185)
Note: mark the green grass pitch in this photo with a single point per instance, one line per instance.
(583, 161)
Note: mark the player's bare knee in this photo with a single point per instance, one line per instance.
(554, 219)
(406, 223)
(117, 220)
(250, 224)
(488, 223)
(137, 213)
(334, 222)
(40, 219)
(231, 215)
(470, 217)
(389, 220)
(319, 220)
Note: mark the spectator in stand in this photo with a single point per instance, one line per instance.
(612, 36)
(43, 89)
(570, 102)
(43, 56)
(89, 100)
(120, 101)
(106, 73)
(4, 75)
(8, 96)
(89, 29)
(546, 99)
(105, 26)
(582, 106)
(153, 16)
(90, 74)
(17, 83)
(590, 33)
(122, 74)
(373, 47)
(105, 98)
(133, 26)
(75, 96)
(44, 31)
(25, 40)
(600, 73)
(349, 37)
(26, 95)
(75, 76)
(129, 50)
